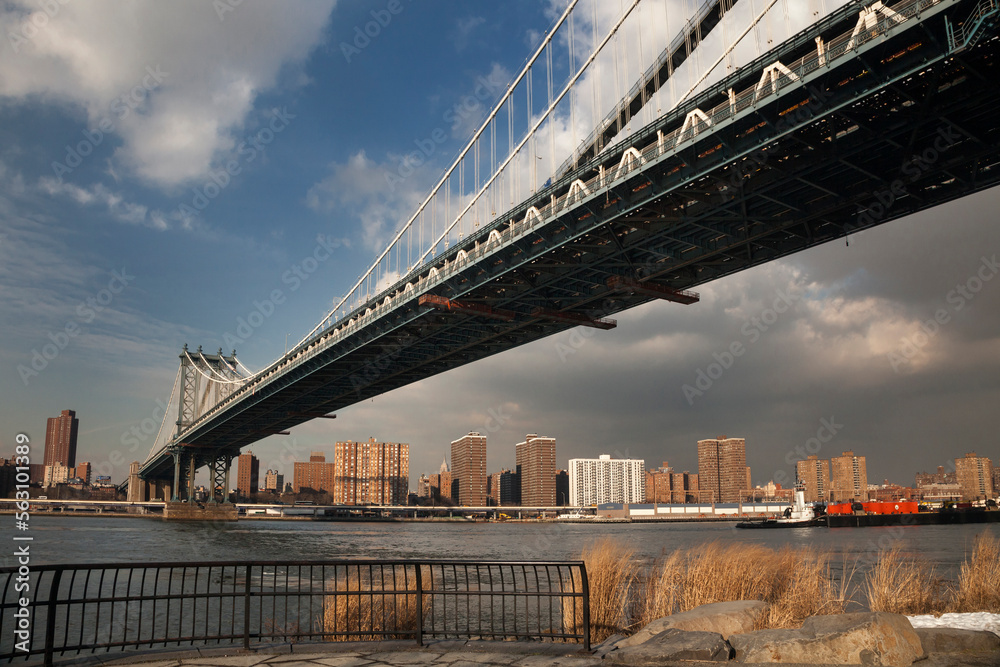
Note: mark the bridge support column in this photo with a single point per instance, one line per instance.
(190, 480)
(177, 476)
(219, 473)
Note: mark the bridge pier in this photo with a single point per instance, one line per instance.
(192, 511)
(177, 475)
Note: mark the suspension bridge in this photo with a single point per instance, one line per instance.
(581, 195)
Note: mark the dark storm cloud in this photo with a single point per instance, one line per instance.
(826, 359)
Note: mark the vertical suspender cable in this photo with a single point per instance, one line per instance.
(572, 92)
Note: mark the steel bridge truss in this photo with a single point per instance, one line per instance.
(820, 142)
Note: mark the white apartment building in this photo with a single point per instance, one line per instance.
(56, 473)
(606, 480)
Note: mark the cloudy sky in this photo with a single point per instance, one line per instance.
(122, 238)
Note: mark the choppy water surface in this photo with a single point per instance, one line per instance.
(100, 540)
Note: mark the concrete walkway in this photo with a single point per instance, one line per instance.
(405, 654)
(351, 654)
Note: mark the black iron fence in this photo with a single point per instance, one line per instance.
(58, 610)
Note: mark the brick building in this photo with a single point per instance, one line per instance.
(371, 473)
(536, 470)
(468, 468)
(722, 469)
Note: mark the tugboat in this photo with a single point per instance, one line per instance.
(797, 515)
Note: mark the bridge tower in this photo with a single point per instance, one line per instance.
(204, 380)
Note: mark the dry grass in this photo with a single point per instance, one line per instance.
(979, 580)
(794, 583)
(612, 577)
(370, 610)
(902, 584)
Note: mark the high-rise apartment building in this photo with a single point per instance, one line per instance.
(468, 470)
(536, 470)
(814, 474)
(371, 473)
(60, 439)
(423, 486)
(562, 487)
(848, 477)
(274, 481)
(440, 484)
(684, 488)
(722, 468)
(923, 479)
(658, 484)
(975, 477)
(247, 474)
(56, 473)
(83, 471)
(501, 488)
(606, 480)
(316, 474)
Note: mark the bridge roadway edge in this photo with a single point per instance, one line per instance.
(478, 279)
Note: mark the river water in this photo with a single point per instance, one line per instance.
(67, 540)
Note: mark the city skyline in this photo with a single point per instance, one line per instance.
(891, 336)
(821, 477)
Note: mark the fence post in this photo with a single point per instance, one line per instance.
(586, 606)
(420, 606)
(246, 609)
(50, 618)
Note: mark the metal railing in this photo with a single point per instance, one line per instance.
(101, 608)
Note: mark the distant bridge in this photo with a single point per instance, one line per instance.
(873, 113)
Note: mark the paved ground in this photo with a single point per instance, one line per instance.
(404, 654)
(375, 654)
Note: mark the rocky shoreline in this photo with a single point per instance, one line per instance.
(724, 632)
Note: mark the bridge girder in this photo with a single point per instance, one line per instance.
(798, 169)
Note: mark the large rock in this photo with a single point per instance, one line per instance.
(725, 618)
(674, 644)
(954, 640)
(869, 639)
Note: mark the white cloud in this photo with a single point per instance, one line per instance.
(177, 82)
(99, 195)
(464, 28)
(360, 188)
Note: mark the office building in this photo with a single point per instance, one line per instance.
(606, 480)
(814, 474)
(468, 469)
(975, 477)
(848, 478)
(722, 469)
(60, 439)
(371, 473)
(247, 474)
(316, 474)
(536, 470)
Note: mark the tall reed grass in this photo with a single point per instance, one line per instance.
(795, 583)
(371, 606)
(979, 580)
(907, 585)
(625, 595)
(902, 584)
